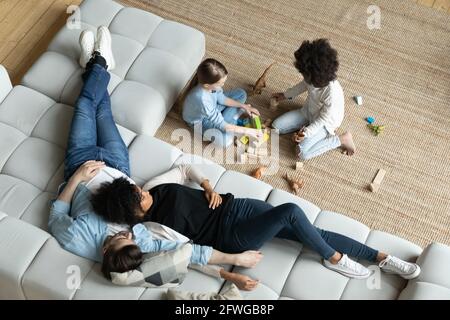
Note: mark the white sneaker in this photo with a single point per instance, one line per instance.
(87, 44)
(349, 268)
(404, 269)
(104, 46)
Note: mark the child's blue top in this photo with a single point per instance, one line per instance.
(202, 105)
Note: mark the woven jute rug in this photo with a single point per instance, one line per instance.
(402, 70)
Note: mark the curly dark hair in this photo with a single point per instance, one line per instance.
(117, 202)
(318, 62)
(126, 259)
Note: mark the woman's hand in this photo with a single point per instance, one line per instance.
(214, 199)
(248, 259)
(88, 171)
(250, 110)
(244, 282)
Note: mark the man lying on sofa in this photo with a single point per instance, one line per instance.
(96, 153)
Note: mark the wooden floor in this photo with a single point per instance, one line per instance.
(27, 27)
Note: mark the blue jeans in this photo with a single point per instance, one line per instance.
(94, 134)
(311, 147)
(231, 116)
(251, 223)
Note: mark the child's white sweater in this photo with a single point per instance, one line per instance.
(324, 107)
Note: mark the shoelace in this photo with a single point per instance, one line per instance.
(396, 263)
(351, 264)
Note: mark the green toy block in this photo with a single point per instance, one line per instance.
(256, 121)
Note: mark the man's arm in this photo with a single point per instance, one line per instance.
(59, 220)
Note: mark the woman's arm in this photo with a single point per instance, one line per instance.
(236, 104)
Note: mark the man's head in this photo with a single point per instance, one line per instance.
(318, 62)
(121, 202)
(120, 254)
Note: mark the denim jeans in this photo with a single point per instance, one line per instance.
(231, 116)
(251, 223)
(94, 134)
(311, 147)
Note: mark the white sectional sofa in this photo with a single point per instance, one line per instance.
(155, 59)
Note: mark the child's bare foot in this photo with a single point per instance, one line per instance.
(244, 282)
(347, 143)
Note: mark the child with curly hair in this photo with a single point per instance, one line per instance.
(323, 112)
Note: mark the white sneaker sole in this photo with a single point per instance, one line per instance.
(348, 275)
(108, 55)
(85, 56)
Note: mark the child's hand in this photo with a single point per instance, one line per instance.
(298, 137)
(254, 133)
(279, 96)
(250, 110)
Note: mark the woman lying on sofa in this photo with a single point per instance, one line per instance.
(232, 225)
(96, 153)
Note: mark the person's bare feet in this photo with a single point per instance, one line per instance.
(347, 143)
(244, 282)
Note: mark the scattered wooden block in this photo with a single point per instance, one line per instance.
(262, 152)
(243, 158)
(299, 166)
(376, 184)
(359, 100)
(251, 150)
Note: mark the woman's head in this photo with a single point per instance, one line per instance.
(212, 74)
(318, 62)
(121, 202)
(120, 254)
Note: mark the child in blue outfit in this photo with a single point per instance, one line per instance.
(217, 112)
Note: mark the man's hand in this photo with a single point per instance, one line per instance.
(88, 171)
(250, 110)
(214, 199)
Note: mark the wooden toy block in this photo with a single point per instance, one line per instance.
(261, 83)
(245, 140)
(242, 158)
(251, 150)
(256, 122)
(358, 100)
(299, 166)
(258, 173)
(252, 156)
(376, 184)
(262, 152)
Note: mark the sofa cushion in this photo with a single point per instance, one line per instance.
(50, 74)
(23, 108)
(67, 273)
(243, 186)
(5, 83)
(435, 262)
(425, 291)
(16, 195)
(19, 244)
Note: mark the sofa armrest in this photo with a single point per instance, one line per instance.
(5, 83)
(435, 264)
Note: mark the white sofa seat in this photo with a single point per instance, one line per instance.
(155, 59)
